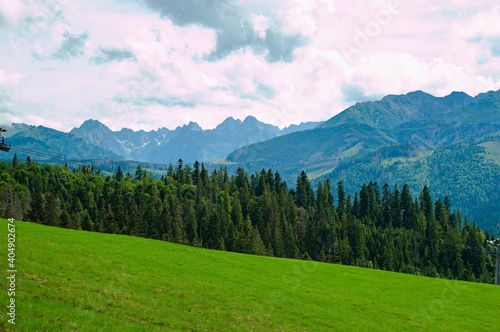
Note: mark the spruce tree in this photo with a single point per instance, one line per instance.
(341, 198)
(15, 161)
(35, 213)
(119, 174)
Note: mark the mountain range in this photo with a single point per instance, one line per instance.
(94, 140)
(451, 144)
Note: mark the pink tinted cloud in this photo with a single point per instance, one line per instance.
(421, 45)
(310, 88)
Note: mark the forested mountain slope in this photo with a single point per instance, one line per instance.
(399, 139)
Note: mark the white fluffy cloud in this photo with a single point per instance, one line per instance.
(152, 64)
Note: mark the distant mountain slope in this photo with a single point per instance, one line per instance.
(362, 143)
(311, 149)
(393, 110)
(15, 128)
(53, 142)
(189, 142)
(126, 143)
(477, 120)
(94, 140)
(467, 173)
(417, 118)
(302, 126)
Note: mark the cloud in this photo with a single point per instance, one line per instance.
(171, 101)
(353, 94)
(3, 20)
(6, 106)
(13, 108)
(9, 83)
(71, 47)
(152, 63)
(495, 50)
(483, 23)
(168, 102)
(262, 91)
(31, 17)
(112, 54)
(266, 90)
(235, 25)
(281, 47)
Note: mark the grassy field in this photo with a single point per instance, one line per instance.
(492, 150)
(75, 280)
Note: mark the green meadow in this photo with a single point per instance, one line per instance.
(82, 281)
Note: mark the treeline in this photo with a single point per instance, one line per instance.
(384, 228)
(464, 172)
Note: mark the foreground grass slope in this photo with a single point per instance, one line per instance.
(76, 280)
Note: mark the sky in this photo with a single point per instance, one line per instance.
(147, 64)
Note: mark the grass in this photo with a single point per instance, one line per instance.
(223, 161)
(319, 173)
(351, 151)
(81, 281)
(492, 150)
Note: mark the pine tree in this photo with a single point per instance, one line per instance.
(110, 224)
(192, 226)
(426, 203)
(50, 215)
(139, 173)
(180, 171)
(35, 213)
(310, 239)
(396, 217)
(196, 174)
(364, 198)
(119, 174)
(64, 219)
(408, 212)
(15, 161)
(178, 231)
(305, 194)
(240, 234)
(328, 191)
(341, 198)
(87, 224)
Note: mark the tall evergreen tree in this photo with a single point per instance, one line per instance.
(15, 161)
(119, 174)
(341, 198)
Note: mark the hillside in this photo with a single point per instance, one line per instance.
(94, 140)
(467, 173)
(54, 142)
(189, 142)
(394, 110)
(416, 118)
(382, 228)
(75, 280)
(310, 150)
(390, 140)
